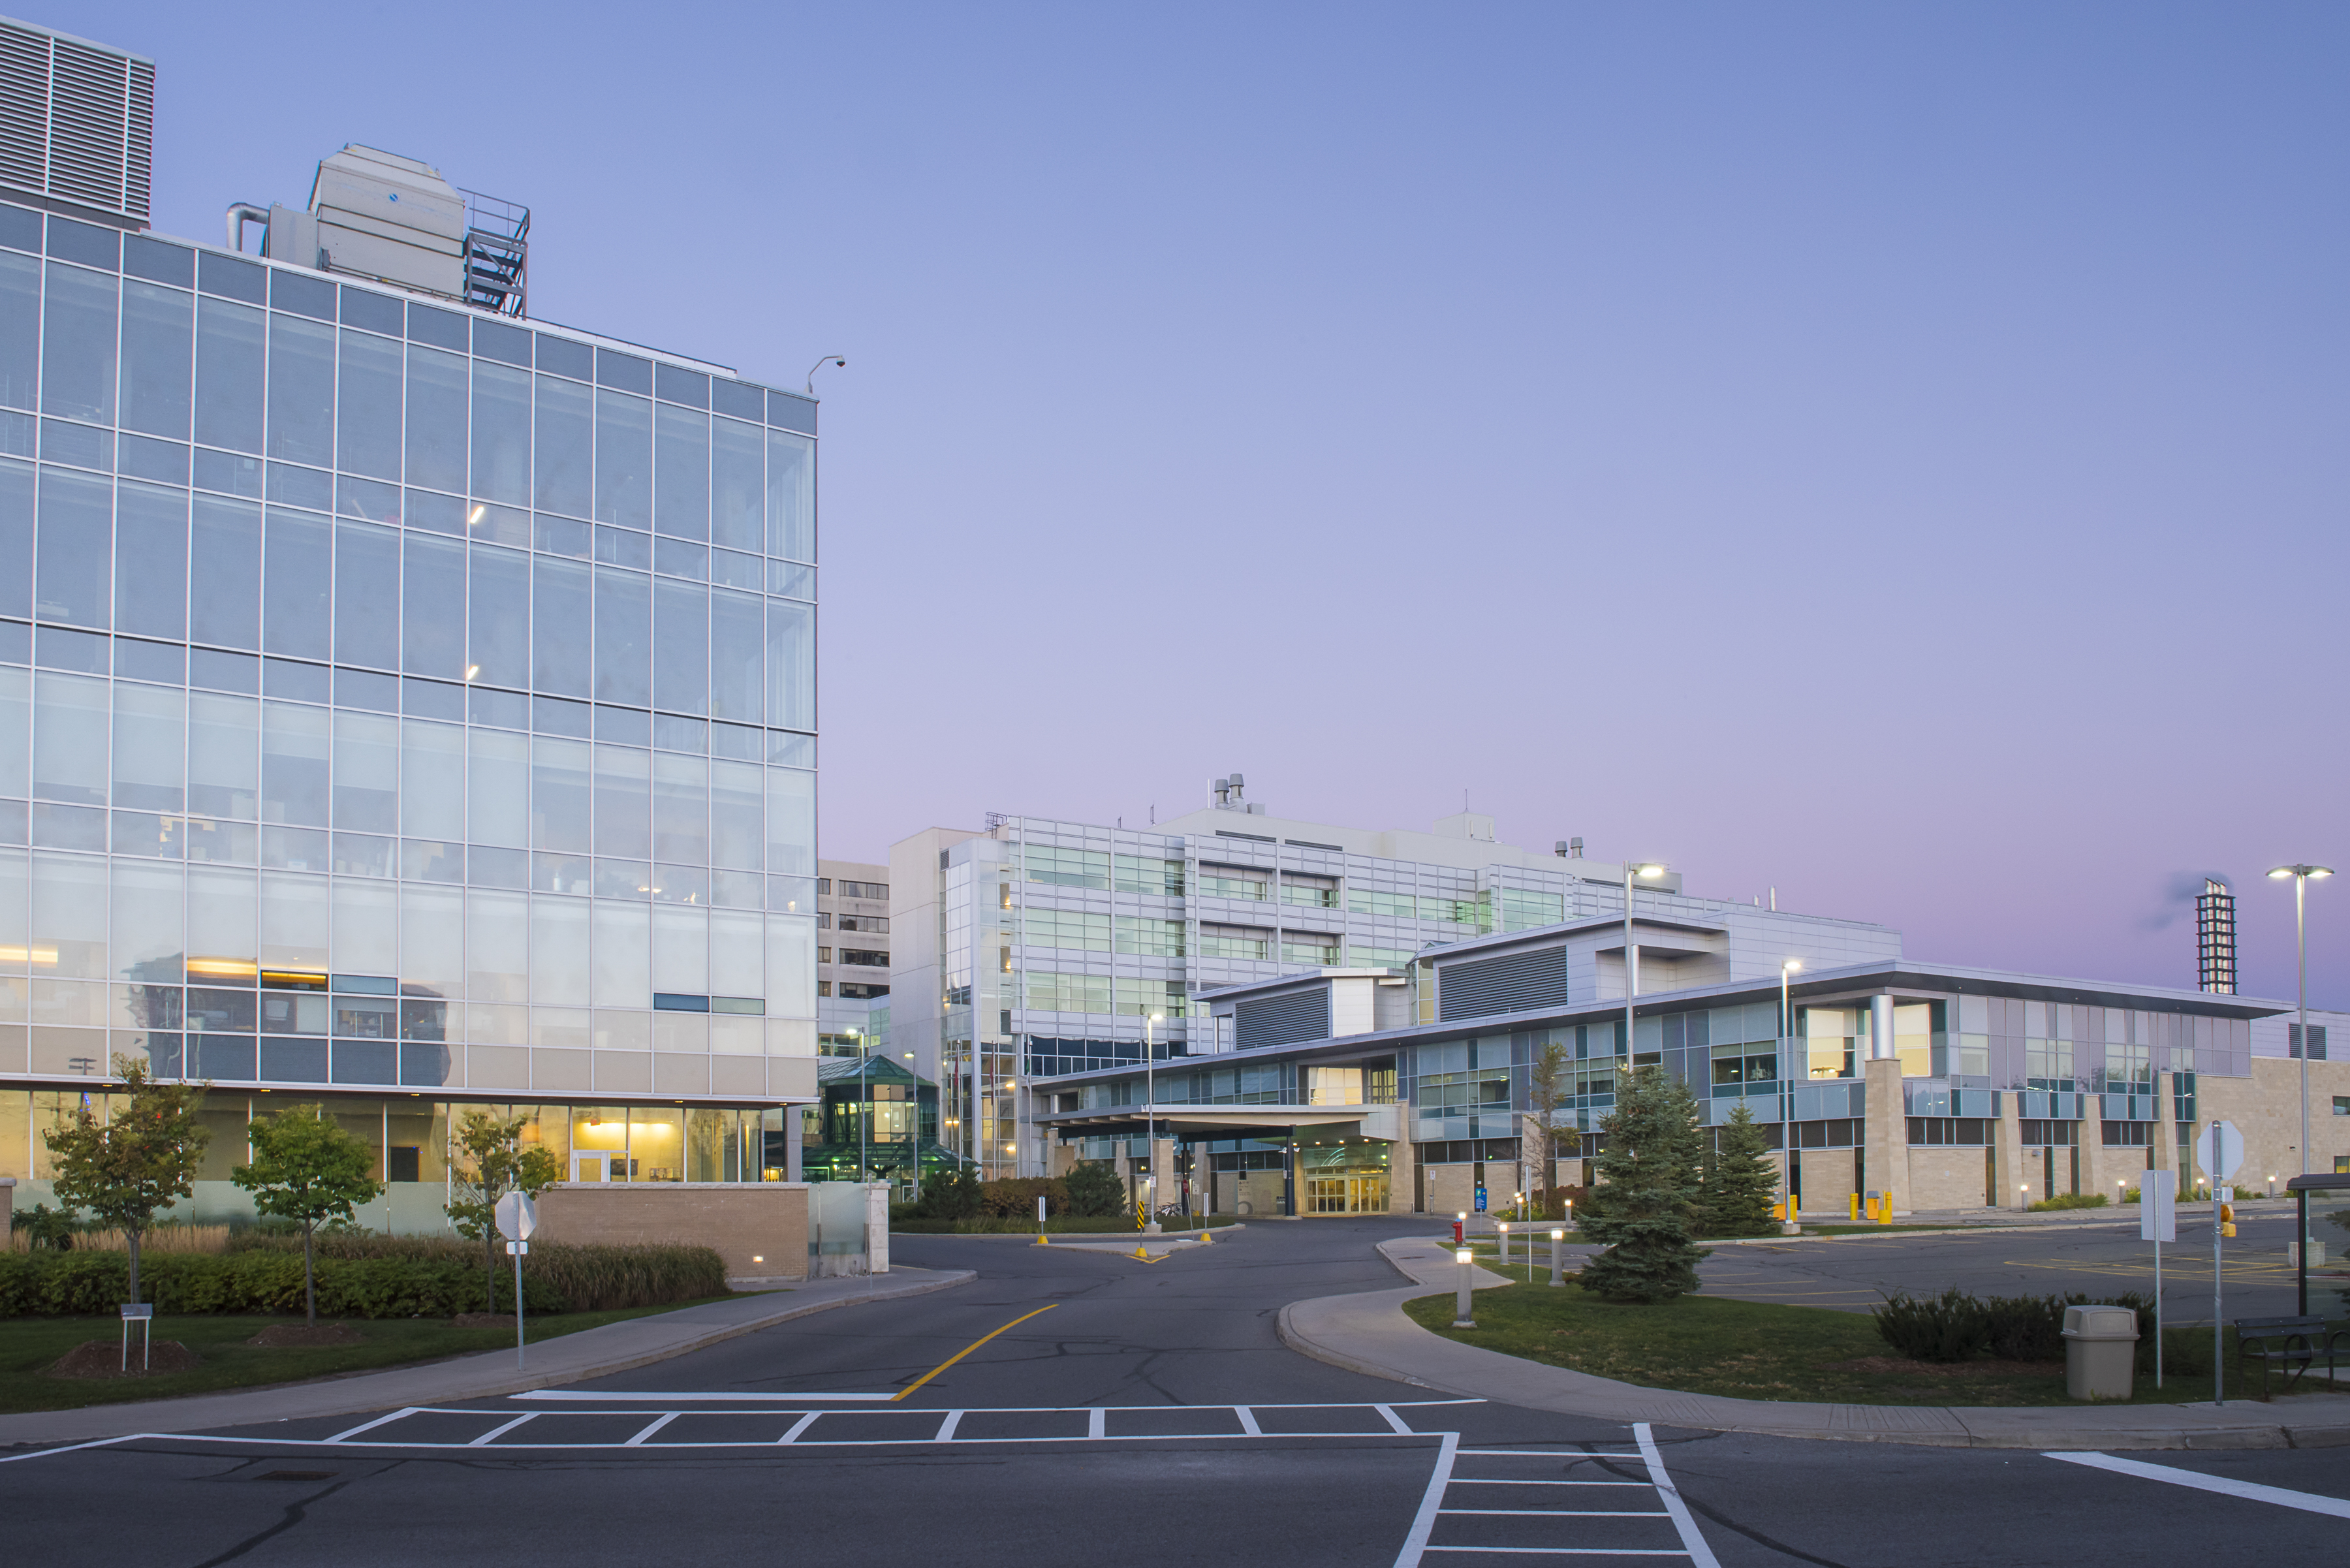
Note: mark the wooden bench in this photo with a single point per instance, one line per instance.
(2291, 1345)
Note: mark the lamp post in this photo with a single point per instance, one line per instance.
(2301, 877)
(1150, 1117)
(1632, 953)
(1789, 1225)
(864, 1102)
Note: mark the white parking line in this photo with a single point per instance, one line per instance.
(494, 1432)
(686, 1398)
(370, 1426)
(1431, 1501)
(1700, 1555)
(2251, 1492)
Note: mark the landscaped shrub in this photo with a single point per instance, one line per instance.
(1015, 1197)
(1094, 1189)
(949, 1195)
(1948, 1327)
(2070, 1200)
(361, 1277)
(1956, 1326)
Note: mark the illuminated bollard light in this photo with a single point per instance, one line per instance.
(1558, 1257)
(1460, 1318)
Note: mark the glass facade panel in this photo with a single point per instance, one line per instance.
(316, 757)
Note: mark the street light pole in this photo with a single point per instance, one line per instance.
(2301, 877)
(1150, 1116)
(1632, 953)
(864, 1103)
(1788, 1222)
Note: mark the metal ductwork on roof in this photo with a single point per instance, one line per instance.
(378, 216)
(76, 123)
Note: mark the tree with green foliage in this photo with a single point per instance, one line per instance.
(499, 1164)
(1549, 1090)
(1094, 1189)
(141, 1159)
(954, 1193)
(306, 1168)
(1648, 1192)
(1740, 1183)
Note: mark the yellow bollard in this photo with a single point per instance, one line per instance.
(1141, 1253)
(1855, 1205)
(1206, 1235)
(1042, 1239)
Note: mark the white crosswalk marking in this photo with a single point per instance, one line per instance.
(1460, 1522)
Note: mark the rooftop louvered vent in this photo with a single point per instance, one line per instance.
(76, 121)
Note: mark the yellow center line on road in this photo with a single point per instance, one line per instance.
(967, 1349)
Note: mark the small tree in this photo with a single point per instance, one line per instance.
(1545, 1095)
(1739, 1181)
(306, 1168)
(953, 1193)
(1647, 1193)
(499, 1164)
(139, 1160)
(1094, 1189)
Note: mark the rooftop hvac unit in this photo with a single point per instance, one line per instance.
(76, 123)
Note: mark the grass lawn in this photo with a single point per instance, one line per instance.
(29, 1346)
(1751, 1350)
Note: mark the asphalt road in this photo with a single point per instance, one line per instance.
(1853, 1275)
(1072, 1407)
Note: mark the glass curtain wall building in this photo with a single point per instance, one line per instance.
(395, 699)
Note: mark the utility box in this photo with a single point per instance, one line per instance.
(2100, 1352)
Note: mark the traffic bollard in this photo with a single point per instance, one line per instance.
(1557, 1241)
(1460, 1318)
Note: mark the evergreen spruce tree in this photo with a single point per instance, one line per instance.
(1739, 1184)
(1648, 1192)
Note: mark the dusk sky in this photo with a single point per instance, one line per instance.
(1893, 454)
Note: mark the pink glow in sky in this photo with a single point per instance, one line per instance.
(1893, 454)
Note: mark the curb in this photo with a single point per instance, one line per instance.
(357, 1393)
(1369, 1334)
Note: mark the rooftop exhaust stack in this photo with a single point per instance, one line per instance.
(378, 216)
(2215, 938)
(76, 124)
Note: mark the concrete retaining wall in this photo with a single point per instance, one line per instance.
(759, 1228)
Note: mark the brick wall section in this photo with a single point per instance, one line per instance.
(2266, 1108)
(759, 1228)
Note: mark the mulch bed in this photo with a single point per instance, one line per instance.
(483, 1320)
(1883, 1364)
(103, 1358)
(304, 1336)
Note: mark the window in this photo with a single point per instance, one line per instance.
(1969, 1132)
(1066, 867)
(824, 885)
(1151, 938)
(1163, 878)
(2316, 1042)
(864, 957)
(1460, 911)
(863, 889)
(878, 924)
(1370, 901)
(1233, 942)
(823, 988)
(1523, 911)
(1309, 895)
(1379, 958)
(1320, 955)
(1228, 882)
(1141, 998)
(1068, 992)
(2126, 1134)
(2342, 1104)
(824, 955)
(2050, 1134)
(1070, 929)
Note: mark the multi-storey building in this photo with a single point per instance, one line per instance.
(405, 703)
(852, 954)
(1347, 1022)
(1039, 948)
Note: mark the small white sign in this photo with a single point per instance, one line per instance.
(517, 1216)
(2157, 1208)
(2220, 1149)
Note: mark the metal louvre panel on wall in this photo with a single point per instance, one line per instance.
(76, 123)
(1281, 1020)
(1514, 982)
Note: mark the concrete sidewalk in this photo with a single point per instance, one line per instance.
(1370, 1334)
(573, 1357)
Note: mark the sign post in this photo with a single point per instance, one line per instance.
(2218, 1149)
(517, 1217)
(143, 1314)
(2157, 1221)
